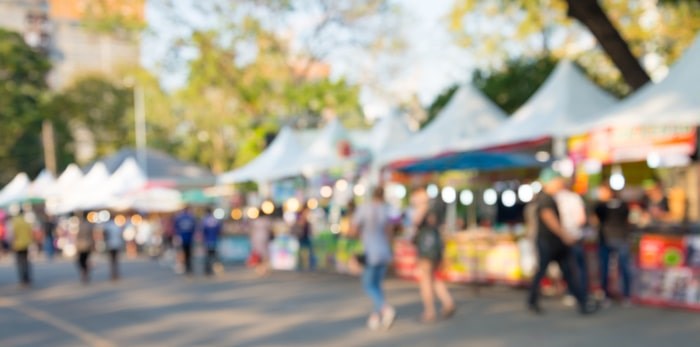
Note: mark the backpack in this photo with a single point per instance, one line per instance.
(429, 244)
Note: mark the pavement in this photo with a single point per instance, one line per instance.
(153, 306)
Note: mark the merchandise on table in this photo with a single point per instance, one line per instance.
(234, 248)
(283, 252)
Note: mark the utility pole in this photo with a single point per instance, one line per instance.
(140, 121)
(49, 143)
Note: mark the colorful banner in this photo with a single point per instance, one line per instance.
(234, 249)
(661, 252)
(613, 145)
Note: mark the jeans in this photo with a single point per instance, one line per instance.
(23, 269)
(187, 252)
(48, 247)
(308, 245)
(562, 255)
(209, 263)
(622, 250)
(578, 253)
(372, 279)
(114, 263)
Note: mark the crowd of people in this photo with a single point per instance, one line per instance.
(560, 221)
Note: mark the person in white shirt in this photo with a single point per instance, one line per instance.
(573, 218)
(114, 240)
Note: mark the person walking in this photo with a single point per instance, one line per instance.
(48, 226)
(553, 243)
(84, 243)
(185, 224)
(371, 222)
(303, 233)
(612, 218)
(573, 219)
(22, 239)
(114, 240)
(211, 228)
(430, 249)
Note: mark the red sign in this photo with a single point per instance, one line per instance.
(660, 252)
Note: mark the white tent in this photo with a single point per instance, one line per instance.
(673, 101)
(42, 185)
(281, 154)
(156, 200)
(468, 114)
(57, 195)
(16, 190)
(128, 177)
(322, 154)
(566, 99)
(387, 133)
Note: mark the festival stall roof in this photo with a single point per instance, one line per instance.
(58, 194)
(387, 133)
(282, 152)
(468, 114)
(565, 100)
(163, 167)
(16, 190)
(41, 185)
(322, 154)
(673, 101)
(87, 193)
(483, 161)
(128, 177)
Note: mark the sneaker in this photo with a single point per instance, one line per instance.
(374, 322)
(388, 317)
(569, 301)
(535, 309)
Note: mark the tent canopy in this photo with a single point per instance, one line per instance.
(163, 167)
(484, 161)
(566, 99)
(16, 190)
(282, 153)
(673, 101)
(387, 133)
(468, 114)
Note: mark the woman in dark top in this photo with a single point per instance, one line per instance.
(303, 227)
(612, 219)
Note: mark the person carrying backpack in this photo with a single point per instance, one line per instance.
(429, 245)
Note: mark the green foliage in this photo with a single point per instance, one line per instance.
(513, 84)
(439, 103)
(95, 103)
(23, 95)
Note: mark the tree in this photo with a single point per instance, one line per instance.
(93, 104)
(231, 101)
(511, 86)
(625, 29)
(23, 95)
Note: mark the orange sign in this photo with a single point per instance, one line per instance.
(613, 145)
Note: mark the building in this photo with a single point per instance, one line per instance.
(58, 28)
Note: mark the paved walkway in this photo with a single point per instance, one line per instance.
(154, 307)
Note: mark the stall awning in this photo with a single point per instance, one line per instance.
(482, 161)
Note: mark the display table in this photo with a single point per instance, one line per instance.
(668, 269)
(234, 248)
(474, 256)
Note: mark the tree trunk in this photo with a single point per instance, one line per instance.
(591, 15)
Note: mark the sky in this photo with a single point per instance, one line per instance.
(430, 64)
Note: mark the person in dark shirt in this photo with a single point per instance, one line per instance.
(185, 225)
(211, 229)
(656, 203)
(612, 218)
(303, 227)
(553, 243)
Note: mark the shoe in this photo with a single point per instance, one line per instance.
(569, 301)
(449, 312)
(535, 309)
(374, 322)
(589, 308)
(388, 317)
